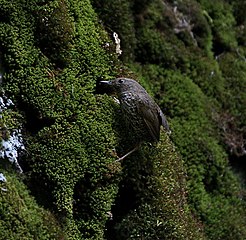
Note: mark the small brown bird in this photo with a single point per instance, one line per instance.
(142, 115)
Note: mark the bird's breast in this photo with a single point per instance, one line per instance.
(134, 120)
(129, 103)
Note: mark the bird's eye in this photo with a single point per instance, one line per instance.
(121, 81)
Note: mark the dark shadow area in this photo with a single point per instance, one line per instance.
(34, 121)
(125, 202)
(238, 164)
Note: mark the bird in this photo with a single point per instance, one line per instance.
(142, 115)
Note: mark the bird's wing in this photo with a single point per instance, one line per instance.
(150, 117)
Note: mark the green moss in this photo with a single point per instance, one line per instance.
(154, 37)
(55, 52)
(205, 72)
(234, 71)
(155, 180)
(118, 17)
(232, 121)
(222, 23)
(10, 120)
(192, 100)
(54, 31)
(205, 160)
(69, 145)
(21, 217)
(239, 8)
(231, 218)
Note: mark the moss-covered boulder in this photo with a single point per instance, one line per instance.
(53, 54)
(21, 217)
(68, 128)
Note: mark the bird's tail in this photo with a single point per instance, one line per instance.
(164, 122)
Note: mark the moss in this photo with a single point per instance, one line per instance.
(10, 119)
(205, 160)
(231, 121)
(153, 37)
(231, 219)
(118, 17)
(55, 52)
(73, 135)
(197, 30)
(153, 203)
(193, 89)
(206, 73)
(222, 22)
(234, 71)
(192, 100)
(54, 31)
(239, 8)
(21, 217)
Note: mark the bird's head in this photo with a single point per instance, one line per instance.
(120, 85)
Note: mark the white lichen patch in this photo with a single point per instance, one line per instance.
(11, 146)
(117, 42)
(2, 178)
(5, 103)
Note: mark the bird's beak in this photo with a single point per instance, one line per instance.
(106, 83)
(107, 87)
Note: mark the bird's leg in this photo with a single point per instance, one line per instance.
(127, 154)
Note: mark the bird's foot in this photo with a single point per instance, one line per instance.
(127, 154)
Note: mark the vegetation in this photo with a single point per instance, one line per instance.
(189, 55)
(21, 217)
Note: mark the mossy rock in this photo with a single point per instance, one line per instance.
(204, 158)
(118, 17)
(151, 202)
(222, 23)
(21, 217)
(54, 54)
(68, 128)
(234, 72)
